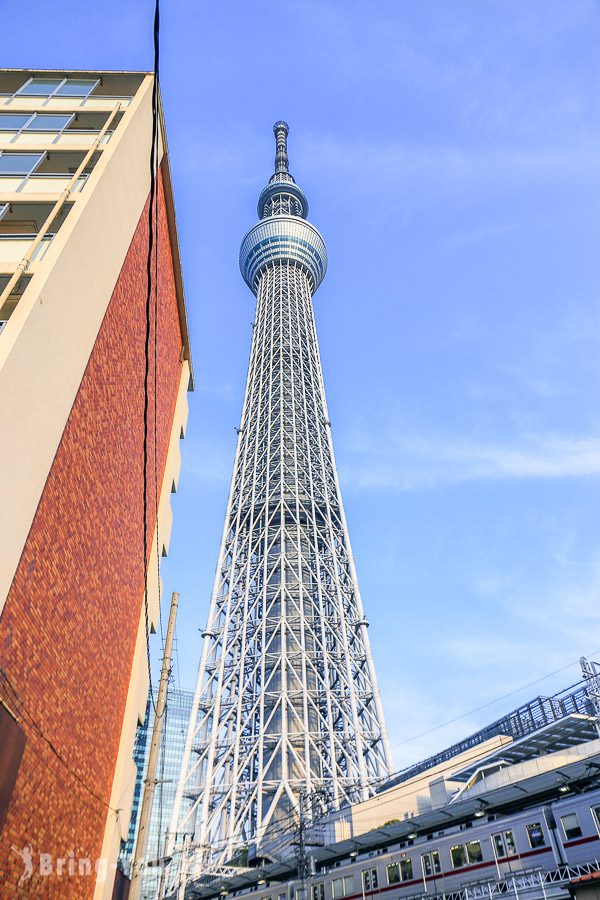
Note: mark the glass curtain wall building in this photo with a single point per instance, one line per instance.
(179, 706)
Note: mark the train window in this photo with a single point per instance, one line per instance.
(281, 897)
(318, 891)
(535, 835)
(430, 863)
(393, 873)
(369, 879)
(406, 872)
(458, 855)
(509, 841)
(571, 826)
(474, 854)
(337, 888)
(596, 815)
(348, 885)
(504, 844)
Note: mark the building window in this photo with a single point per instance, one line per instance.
(19, 163)
(458, 855)
(13, 121)
(40, 87)
(571, 826)
(535, 835)
(317, 891)
(58, 87)
(43, 122)
(474, 854)
(406, 870)
(369, 879)
(393, 873)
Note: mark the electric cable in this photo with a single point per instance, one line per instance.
(151, 236)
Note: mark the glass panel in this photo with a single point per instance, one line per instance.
(499, 848)
(535, 835)
(435, 858)
(510, 843)
(76, 88)
(406, 869)
(393, 873)
(458, 855)
(19, 163)
(426, 863)
(474, 854)
(13, 121)
(596, 815)
(571, 826)
(48, 123)
(40, 87)
(349, 884)
(337, 888)
(369, 878)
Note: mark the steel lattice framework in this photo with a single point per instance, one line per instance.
(287, 698)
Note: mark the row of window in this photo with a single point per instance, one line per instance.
(469, 853)
(35, 122)
(57, 87)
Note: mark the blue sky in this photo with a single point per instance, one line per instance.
(449, 151)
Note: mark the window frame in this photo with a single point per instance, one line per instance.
(393, 865)
(476, 859)
(20, 92)
(402, 863)
(529, 828)
(369, 879)
(463, 850)
(577, 832)
(25, 175)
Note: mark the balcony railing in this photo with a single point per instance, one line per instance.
(77, 136)
(52, 183)
(93, 102)
(13, 248)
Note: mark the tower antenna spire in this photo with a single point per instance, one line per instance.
(281, 130)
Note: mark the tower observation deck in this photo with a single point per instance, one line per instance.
(287, 699)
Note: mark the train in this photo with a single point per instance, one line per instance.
(544, 837)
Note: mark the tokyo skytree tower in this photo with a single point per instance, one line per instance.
(287, 698)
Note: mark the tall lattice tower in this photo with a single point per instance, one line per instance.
(287, 698)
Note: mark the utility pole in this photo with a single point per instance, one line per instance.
(141, 844)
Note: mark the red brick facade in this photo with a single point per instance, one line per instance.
(68, 629)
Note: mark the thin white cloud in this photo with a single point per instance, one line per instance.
(402, 462)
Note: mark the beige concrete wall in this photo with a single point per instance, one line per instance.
(46, 343)
(409, 798)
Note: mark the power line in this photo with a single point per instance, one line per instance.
(151, 241)
(470, 712)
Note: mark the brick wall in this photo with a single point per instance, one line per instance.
(68, 629)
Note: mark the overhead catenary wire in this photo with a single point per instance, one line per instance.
(470, 712)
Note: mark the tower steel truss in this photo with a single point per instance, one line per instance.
(287, 698)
